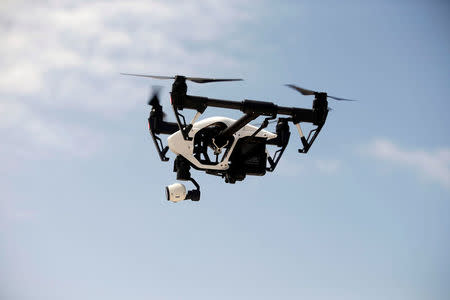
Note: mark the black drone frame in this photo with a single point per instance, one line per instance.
(251, 109)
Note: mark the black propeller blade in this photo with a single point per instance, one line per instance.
(340, 99)
(307, 92)
(303, 91)
(206, 80)
(153, 100)
(193, 79)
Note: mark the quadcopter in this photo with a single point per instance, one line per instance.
(221, 146)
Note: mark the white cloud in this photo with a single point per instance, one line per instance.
(431, 164)
(25, 133)
(67, 56)
(106, 37)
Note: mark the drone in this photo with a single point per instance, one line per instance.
(221, 146)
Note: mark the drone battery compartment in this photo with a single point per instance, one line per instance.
(249, 156)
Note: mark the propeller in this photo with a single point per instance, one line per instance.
(307, 92)
(193, 79)
(154, 97)
(153, 100)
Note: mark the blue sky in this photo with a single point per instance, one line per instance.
(364, 215)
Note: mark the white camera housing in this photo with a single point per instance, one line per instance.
(176, 192)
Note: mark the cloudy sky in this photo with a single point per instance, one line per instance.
(364, 215)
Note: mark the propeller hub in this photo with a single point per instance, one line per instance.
(321, 96)
(179, 86)
(180, 77)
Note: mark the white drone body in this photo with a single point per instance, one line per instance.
(179, 146)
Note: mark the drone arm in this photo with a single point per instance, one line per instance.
(236, 126)
(247, 106)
